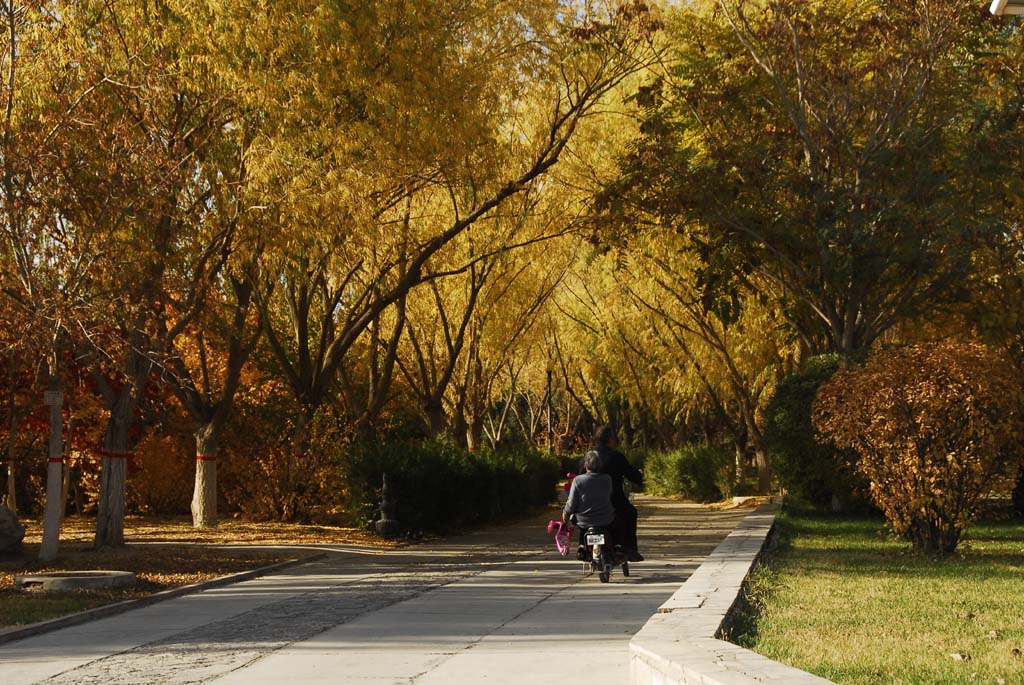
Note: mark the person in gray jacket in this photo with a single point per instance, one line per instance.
(590, 498)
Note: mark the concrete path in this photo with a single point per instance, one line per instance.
(496, 606)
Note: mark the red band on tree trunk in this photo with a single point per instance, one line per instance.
(55, 460)
(200, 457)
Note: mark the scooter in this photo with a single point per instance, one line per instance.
(604, 555)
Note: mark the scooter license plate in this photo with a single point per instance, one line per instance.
(597, 539)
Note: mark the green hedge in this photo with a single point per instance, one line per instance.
(441, 487)
(695, 472)
(805, 466)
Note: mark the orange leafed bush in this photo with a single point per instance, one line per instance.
(937, 428)
(162, 473)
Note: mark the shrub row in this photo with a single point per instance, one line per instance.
(695, 472)
(809, 468)
(440, 487)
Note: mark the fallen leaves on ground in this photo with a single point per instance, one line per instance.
(229, 531)
(163, 552)
(157, 567)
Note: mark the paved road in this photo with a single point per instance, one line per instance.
(496, 606)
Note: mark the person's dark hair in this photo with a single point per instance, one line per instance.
(604, 435)
(594, 462)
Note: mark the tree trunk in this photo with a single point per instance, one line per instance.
(54, 468)
(11, 499)
(113, 474)
(365, 430)
(741, 462)
(459, 428)
(436, 421)
(204, 496)
(65, 490)
(12, 493)
(302, 435)
(708, 439)
(110, 513)
(764, 472)
(762, 463)
(475, 433)
(66, 480)
(754, 437)
(78, 496)
(549, 410)
(627, 428)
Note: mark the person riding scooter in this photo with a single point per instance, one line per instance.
(615, 464)
(590, 500)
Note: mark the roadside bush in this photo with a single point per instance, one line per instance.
(809, 468)
(276, 484)
(937, 427)
(440, 486)
(163, 475)
(695, 472)
(261, 475)
(637, 457)
(568, 463)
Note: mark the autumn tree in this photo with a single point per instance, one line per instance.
(500, 335)
(731, 344)
(994, 173)
(205, 372)
(145, 142)
(936, 427)
(475, 313)
(48, 257)
(647, 350)
(816, 143)
(511, 82)
(205, 338)
(440, 316)
(606, 353)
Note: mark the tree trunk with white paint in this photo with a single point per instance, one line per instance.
(204, 495)
(114, 475)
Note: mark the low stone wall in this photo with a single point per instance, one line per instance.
(679, 644)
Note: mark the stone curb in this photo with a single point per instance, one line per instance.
(120, 607)
(679, 645)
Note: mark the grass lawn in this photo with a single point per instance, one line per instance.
(846, 601)
(179, 555)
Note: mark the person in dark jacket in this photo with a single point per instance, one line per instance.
(615, 464)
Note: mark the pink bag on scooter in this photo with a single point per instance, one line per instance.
(562, 535)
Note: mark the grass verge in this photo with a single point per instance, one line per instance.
(843, 599)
